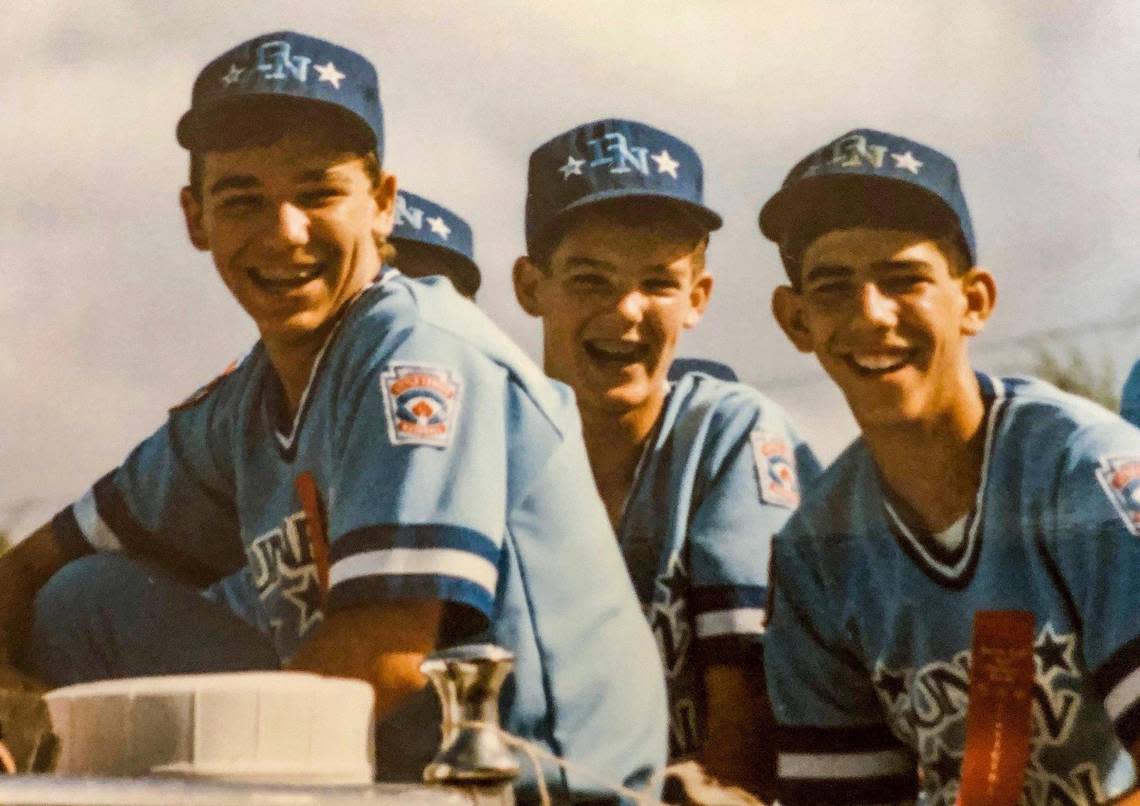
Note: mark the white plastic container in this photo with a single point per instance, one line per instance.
(281, 727)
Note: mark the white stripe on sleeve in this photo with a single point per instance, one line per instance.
(403, 561)
(824, 766)
(98, 534)
(1123, 695)
(742, 621)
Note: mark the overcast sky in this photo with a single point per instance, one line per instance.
(108, 316)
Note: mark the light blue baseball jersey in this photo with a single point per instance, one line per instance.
(1130, 396)
(720, 475)
(449, 467)
(868, 648)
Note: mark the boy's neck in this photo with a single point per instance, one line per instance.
(614, 444)
(932, 467)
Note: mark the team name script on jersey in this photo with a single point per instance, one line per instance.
(928, 706)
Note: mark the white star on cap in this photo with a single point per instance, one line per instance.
(233, 75)
(329, 73)
(572, 166)
(665, 163)
(907, 162)
(439, 227)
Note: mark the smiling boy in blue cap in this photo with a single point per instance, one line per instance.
(394, 474)
(698, 474)
(965, 493)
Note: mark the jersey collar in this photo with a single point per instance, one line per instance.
(955, 568)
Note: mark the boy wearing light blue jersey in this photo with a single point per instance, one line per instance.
(393, 472)
(697, 475)
(965, 493)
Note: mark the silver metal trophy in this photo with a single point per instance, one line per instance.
(467, 680)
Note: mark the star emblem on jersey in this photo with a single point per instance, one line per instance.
(775, 470)
(328, 73)
(665, 163)
(1119, 477)
(669, 617)
(439, 227)
(421, 403)
(573, 167)
(304, 593)
(1054, 652)
(233, 76)
(890, 684)
(907, 162)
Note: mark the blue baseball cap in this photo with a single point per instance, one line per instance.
(873, 169)
(716, 369)
(422, 221)
(611, 159)
(286, 65)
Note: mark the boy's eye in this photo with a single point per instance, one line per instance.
(901, 282)
(238, 202)
(588, 281)
(317, 196)
(830, 287)
(658, 286)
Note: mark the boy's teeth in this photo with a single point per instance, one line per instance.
(876, 362)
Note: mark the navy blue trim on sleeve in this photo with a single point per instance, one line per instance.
(728, 597)
(1117, 680)
(849, 791)
(859, 738)
(851, 765)
(67, 533)
(386, 588)
(730, 624)
(732, 650)
(415, 536)
(419, 561)
(136, 540)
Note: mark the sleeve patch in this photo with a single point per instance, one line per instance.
(421, 403)
(775, 470)
(1120, 479)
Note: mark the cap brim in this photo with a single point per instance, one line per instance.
(194, 126)
(809, 199)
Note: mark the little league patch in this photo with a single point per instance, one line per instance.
(421, 403)
(1120, 478)
(775, 470)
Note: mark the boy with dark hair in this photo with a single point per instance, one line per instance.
(966, 494)
(696, 475)
(393, 472)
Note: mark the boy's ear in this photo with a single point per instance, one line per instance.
(192, 213)
(979, 290)
(699, 295)
(527, 277)
(788, 308)
(384, 194)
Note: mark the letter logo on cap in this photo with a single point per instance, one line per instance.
(624, 155)
(850, 152)
(275, 58)
(406, 214)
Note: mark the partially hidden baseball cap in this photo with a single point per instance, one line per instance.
(879, 173)
(293, 67)
(422, 221)
(611, 159)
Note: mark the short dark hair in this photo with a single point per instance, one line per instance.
(634, 212)
(857, 205)
(264, 121)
